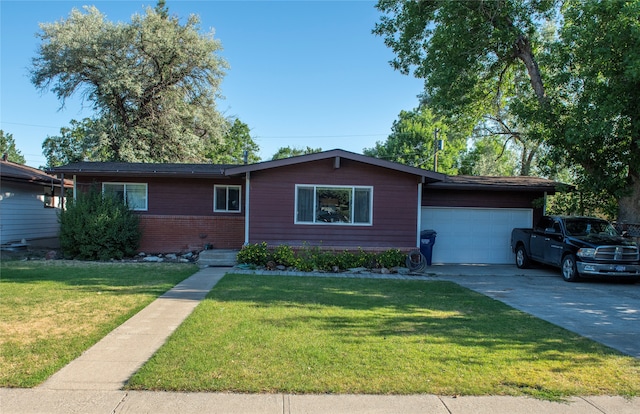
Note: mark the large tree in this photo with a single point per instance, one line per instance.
(488, 156)
(597, 78)
(287, 152)
(413, 140)
(467, 50)
(152, 82)
(8, 147)
(237, 140)
(81, 141)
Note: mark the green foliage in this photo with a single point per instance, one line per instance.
(153, 82)
(596, 77)
(391, 258)
(555, 78)
(287, 152)
(256, 254)
(8, 146)
(96, 227)
(412, 141)
(488, 157)
(583, 201)
(310, 258)
(237, 139)
(284, 255)
(79, 142)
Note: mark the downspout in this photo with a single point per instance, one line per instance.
(75, 187)
(419, 213)
(544, 204)
(247, 184)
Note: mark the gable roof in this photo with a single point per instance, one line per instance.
(429, 176)
(11, 171)
(140, 169)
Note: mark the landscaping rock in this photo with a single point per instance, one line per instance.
(51, 255)
(171, 256)
(153, 259)
(357, 269)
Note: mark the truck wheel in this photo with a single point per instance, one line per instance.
(569, 269)
(522, 260)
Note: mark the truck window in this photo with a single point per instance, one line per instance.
(543, 224)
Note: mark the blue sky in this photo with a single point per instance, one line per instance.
(302, 73)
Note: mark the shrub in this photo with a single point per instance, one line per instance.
(94, 227)
(391, 258)
(284, 255)
(310, 258)
(256, 254)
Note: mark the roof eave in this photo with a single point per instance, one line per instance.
(550, 189)
(430, 176)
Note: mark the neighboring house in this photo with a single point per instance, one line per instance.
(333, 199)
(30, 201)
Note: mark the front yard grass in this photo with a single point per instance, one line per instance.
(53, 311)
(370, 336)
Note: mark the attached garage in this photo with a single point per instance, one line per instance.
(474, 216)
(474, 235)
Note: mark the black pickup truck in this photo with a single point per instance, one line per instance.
(579, 246)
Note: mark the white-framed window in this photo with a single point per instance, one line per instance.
(330, 204)
(226, 198)
(134, 195)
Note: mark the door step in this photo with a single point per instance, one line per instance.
(218, 258)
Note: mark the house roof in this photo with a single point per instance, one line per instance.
(520, 183)
(178, 170)
(11, 171)
(429, 176)
(140, 169)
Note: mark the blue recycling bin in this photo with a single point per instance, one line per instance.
(427, 240)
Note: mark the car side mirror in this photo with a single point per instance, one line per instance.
(551, 230)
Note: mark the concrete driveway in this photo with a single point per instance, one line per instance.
(606, 312)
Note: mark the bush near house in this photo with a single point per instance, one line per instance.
(309, 258)
(94, 227)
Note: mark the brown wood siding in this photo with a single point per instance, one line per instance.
(394, 206)
(174, 196)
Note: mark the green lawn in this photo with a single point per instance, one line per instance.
(52, 311)
(339, 335)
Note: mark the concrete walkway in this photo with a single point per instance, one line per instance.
(93, 382)
(108, 365)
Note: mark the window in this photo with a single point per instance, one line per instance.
(134, 195)
(317, 204)
(226, 198)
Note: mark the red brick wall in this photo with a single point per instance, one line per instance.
(178, 234)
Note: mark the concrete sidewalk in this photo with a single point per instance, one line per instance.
(93, 383)
(38, 401)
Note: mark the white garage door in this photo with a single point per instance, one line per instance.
(474, 235)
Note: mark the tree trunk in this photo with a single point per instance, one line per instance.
(522, 50)
(629, 205)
